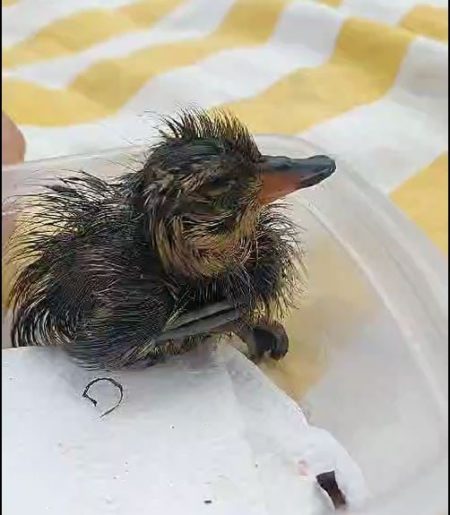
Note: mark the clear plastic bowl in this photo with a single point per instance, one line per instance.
(369, 352)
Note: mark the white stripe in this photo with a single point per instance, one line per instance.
(223, 77)
(195, 19)
(385, 11)
(391, 139)
(27, 17)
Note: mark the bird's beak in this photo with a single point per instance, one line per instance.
(282, 175)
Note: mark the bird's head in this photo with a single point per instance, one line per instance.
(205, 187)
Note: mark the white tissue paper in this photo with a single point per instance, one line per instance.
(204, 433)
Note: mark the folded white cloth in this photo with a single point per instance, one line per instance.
(204, 433)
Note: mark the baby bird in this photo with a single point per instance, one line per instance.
(124, 273)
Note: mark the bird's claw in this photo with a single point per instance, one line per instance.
(265, 337)
(272, 338)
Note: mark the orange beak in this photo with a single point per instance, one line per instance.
(282, 175)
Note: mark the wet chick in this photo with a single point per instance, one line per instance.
(124, 273)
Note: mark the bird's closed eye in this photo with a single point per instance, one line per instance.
(216, 187)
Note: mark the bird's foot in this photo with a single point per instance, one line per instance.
(265, 337)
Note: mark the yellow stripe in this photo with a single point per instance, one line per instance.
(7, 3)
(427, 20)
(331, 3)
(100, 92)
(362, 69)
(424, 198)
(85, 29)
(424, 20)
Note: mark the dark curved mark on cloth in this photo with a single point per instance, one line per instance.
(94, 401)
(327, 481)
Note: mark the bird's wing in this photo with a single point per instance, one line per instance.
(207, 319)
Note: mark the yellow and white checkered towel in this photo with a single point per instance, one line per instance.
(365, 79)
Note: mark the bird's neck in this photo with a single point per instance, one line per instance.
(194, 252)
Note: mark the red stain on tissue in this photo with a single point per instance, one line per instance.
(303, 469)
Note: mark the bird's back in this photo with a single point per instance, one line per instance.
(94, 285)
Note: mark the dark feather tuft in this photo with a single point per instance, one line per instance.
(220, 125)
